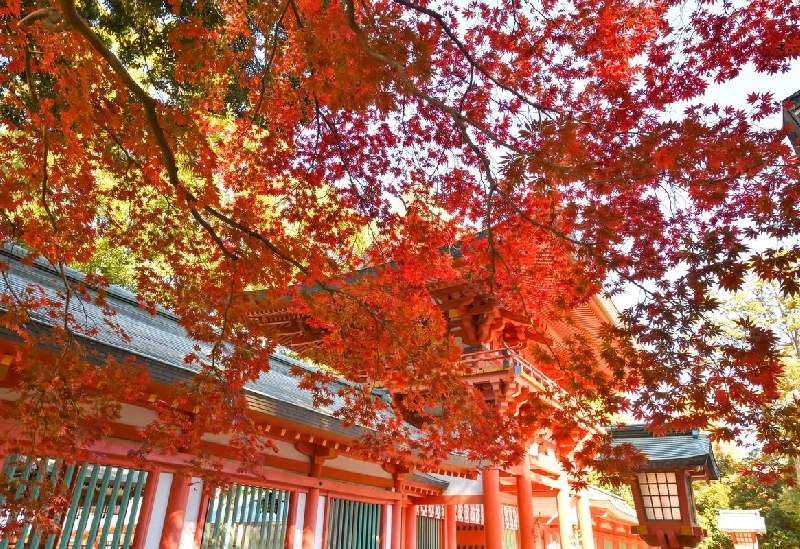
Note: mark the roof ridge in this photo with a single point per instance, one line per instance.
(16, 252)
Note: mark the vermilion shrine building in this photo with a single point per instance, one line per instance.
(315, 493)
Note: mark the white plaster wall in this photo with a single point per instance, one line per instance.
(156, 524)
(192, 515)
(136, 416)
(320, 522)
(462, 486)
(299, 520)
(387, 528)
(285, 449)
(217, 438)
(545, 509)
(356, 466)
(8, 394)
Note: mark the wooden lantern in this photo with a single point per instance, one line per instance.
(662, 490)
(743, 526)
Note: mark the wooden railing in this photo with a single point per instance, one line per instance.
(482, 360)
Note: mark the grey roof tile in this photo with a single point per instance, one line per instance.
(685, 448)
(160, 343)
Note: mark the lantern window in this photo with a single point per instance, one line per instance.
(743, 540)
(660, 496)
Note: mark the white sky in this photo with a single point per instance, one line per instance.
(735, 93)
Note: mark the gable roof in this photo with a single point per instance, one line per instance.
(676, 449)
(741, 520)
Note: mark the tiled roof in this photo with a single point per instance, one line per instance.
(680, 449)
(161, 344)
(745, 520)
(791, 118)
(597, 494)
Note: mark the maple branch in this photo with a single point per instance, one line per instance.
(45, 138)
(297, 16)
(342, 155)
(15, 230)
(414, 89)
(475, 65)
(150, 106)
(439, 18)
(252, 233)
(50, 17)
(574, 241)
(268, 64)
(215, 350)
(193, 212)
(455, 114)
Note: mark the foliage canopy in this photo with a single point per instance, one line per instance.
(228, 146)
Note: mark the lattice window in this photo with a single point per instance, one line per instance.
(510, 517)
(431, 511)
(104, 503)
(743, 540)
(470, 513)
(353, 525)
(246, 517)
(429, 532)
(660, 496)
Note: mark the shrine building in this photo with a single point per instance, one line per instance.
(315, 492)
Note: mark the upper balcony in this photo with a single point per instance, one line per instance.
(499, 346)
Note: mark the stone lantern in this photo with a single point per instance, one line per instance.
(743, 526)
(662, 491)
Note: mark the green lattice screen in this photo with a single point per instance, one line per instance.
(104, 503)
(353, 525)
(246, 517)
(429, 532)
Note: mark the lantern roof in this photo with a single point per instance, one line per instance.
(791, 119)
(741, 520)
(671, 450)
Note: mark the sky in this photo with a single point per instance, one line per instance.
(735, 92)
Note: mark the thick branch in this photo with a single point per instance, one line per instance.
(150, 106)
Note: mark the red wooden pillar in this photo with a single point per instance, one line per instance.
(525, 505)
(450, 540)
(397, 508)
(492, 509)
(683, 479)
(146, 508)
(291, 522)
(397, 525)
(410, 534)
(310, 518)
(176, 512)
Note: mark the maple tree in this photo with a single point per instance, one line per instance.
(523, 147)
